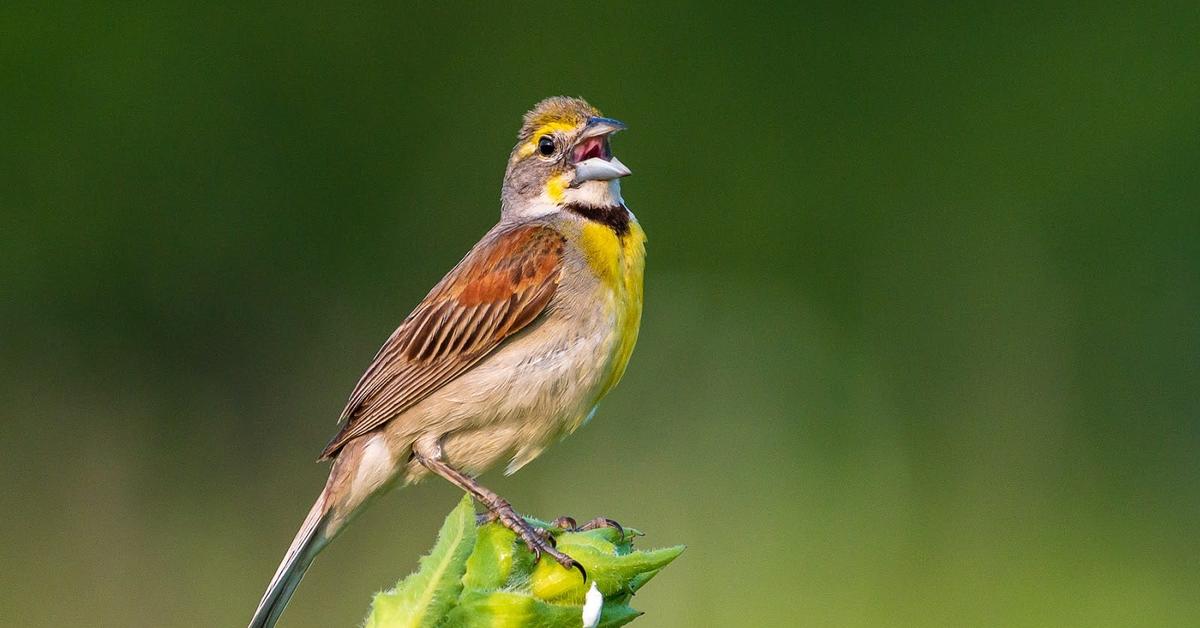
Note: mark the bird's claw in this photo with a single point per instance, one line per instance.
(568, 523)
(541, 541)
(571, 563)
(603, 522)
(546, 536)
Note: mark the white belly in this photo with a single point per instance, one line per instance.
(537, 388)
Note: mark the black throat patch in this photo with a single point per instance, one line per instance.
(615, 217)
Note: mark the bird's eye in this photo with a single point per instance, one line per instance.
(546, 145)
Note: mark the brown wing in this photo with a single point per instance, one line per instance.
(501, 286)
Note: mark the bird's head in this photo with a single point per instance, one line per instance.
(563, 157)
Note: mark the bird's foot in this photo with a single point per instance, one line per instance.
(569, 524)
(538, 540)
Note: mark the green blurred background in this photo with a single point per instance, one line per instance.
(921, 343)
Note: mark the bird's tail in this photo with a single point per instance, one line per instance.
(309, 541)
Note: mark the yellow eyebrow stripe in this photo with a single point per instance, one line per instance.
(549, 128)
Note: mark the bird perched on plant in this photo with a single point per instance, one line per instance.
(509, 352)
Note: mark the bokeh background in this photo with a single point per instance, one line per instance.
(921, 343)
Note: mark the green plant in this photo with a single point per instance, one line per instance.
(479, 576)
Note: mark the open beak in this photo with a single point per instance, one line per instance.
(592, 155)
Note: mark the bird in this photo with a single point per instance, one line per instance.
(509, 353)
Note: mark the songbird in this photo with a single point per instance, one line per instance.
(511, 350)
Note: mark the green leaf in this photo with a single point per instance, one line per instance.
(487, 577)
(424, 598)
(509, 609)
(614, 573)
(491, 564)
(614, 615)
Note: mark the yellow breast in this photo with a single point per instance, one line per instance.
(618, 262)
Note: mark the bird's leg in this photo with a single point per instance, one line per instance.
(536, 540)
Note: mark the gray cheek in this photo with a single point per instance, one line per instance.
(527, 186)
(526, 179)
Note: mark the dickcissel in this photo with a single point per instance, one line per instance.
(509, 352)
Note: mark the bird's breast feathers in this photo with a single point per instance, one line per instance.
(618, 261)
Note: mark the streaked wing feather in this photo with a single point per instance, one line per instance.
(499, 288)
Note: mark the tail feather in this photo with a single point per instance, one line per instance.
(308, 542)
